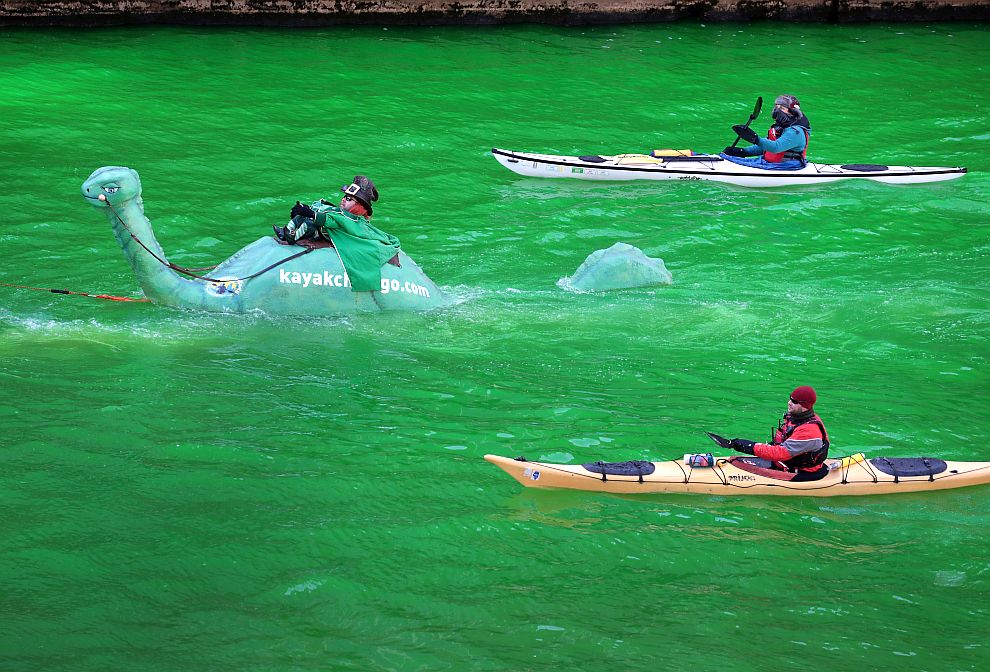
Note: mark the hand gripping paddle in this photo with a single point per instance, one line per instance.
(752, 118)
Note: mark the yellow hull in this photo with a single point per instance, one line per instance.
(850, 477)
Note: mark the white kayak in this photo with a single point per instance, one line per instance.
(710, 167)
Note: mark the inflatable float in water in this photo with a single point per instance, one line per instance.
(265, 276)
(621, 266)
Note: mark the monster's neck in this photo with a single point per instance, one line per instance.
(159, 282)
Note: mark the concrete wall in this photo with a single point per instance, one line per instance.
(475, 12)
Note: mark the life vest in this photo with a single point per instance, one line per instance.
(790, 154)
(805, 461)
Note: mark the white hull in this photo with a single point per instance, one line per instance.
(709, 167)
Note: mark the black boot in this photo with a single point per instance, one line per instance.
(283, 234)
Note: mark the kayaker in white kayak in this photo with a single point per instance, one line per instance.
(800, 441)
(304, 224)
(786, 144)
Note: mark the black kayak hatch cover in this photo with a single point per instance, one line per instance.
(864, 167)
(592, 159)
(628, 468)
(909, 466)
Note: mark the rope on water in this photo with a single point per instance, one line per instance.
(106, 297)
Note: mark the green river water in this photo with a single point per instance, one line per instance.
(190, 491)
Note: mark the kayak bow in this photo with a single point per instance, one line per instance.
(712, 168)
(741, 476)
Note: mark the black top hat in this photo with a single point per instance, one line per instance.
(363, 190)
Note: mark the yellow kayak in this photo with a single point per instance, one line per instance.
(743, 475)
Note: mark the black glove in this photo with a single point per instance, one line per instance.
(304, 210)
(734, 151)
(743, 445)
(746, 133)
(720, 440)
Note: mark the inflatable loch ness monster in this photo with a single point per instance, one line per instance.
(621, 266)
(266, 275)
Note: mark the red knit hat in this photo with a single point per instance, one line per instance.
(804, 395)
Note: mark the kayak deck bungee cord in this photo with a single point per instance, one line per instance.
(853, 475)
(711, 168)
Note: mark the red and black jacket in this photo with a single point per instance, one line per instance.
(798, 444)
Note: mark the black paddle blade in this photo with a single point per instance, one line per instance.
(746, 133)
(720, 440)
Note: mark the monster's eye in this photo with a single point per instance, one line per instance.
(111, 190)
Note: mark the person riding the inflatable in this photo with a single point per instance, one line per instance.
(786, 144)
(357, 199)
(363, 249)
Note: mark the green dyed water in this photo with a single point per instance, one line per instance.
(189, 491)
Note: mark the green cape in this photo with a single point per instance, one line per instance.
(363, 248)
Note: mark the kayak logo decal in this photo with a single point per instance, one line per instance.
(223, 288)
(531, 474)
(742, 477)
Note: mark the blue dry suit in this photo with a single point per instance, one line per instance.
(793, 139)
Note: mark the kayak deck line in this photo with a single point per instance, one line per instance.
(711, 167)
(732, 475)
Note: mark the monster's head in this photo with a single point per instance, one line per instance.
(114, 185)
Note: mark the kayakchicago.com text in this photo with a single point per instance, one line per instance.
(328, 279)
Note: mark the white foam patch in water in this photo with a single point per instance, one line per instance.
(565, 284)
(304, 587)
(949, 578)
(82, 329)
(460, 294)
(558, 458)
(842, 510)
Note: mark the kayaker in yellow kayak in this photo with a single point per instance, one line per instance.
(800, 441)
(786, 144)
